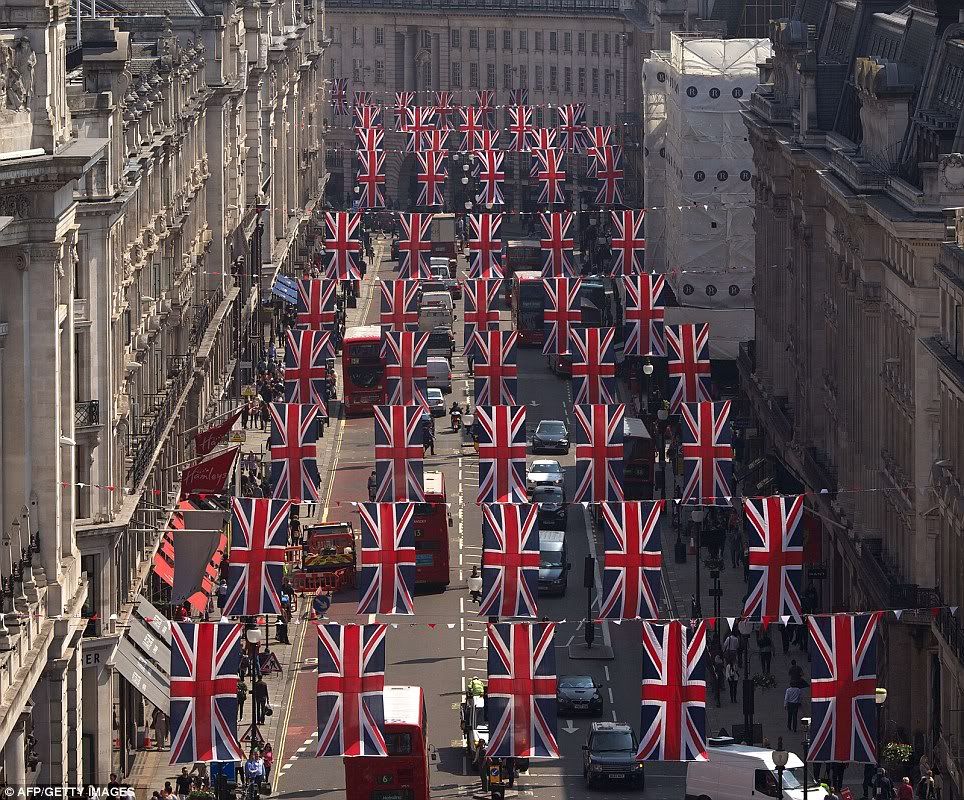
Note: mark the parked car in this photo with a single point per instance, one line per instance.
(544, 472)
(577, 694)
(553, 510)
(553, 564)
(436, 402)
(610, 755)
(550, 436)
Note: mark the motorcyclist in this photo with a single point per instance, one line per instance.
(456, 414)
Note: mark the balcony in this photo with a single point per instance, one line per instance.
(87, 414)
(764, 103)
(857, 171)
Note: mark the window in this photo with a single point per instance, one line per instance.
(357, 35)
(379, 72)
(538, 41)
(553, 79)
(538, 80)
(523, 76)
(490, 76)
(553, 42)
(355, 69)
(595, 42)
(619, 83)
(427, 75)
(605, 42)
(567, 42)
(523, 40)
(474, 39)
(506, 40)
(595, 81)
(506, 76)
(332, 33)
(490, 40)
(427, 40)
(91, 607)
(473, 76)
(540, 117)
(455, 38)
(331, 68)
(608, 83)
(581, 42)
(618, 39)
(379, 37)
(582, 80)
(567, 80)
(765, 783)
(457, 74)
(595, 117)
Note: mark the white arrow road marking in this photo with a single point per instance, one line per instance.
(569, 727)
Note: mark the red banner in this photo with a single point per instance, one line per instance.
(205, 441)
(208, 477)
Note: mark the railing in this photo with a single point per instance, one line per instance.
(951, 631)
(483, 5)
(202, 318)
(87, 413)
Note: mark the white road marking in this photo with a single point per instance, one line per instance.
(606, 670)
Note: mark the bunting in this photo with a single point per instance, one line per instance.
(547, 169)
(502, 454)
(485, 246)
(510, 560)
(496, 369)
(562, 311)
(387, 558)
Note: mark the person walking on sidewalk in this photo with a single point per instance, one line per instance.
(904, 790)
(882, 786)
(428, 439)
(242, 696)
(792, 699)
(372, 487)
(268, 757)
(765, 645)
(731, 647)
(159, 723)
(259, 693)
(245, 413)
(732, 679)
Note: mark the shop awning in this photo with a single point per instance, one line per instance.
(142, 673)
(164, 559)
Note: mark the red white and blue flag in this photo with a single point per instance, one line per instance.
(673, 720)
(256, 560)
(599, 135)
(204, 692)
(502, 454)
(431, 175)
(485, 99)
(366, 115)
(293, 452)
(399, 454)
(496, 368)
(387, 558)
(399, 311)
(416, 122)
(707, 454)
(688, 365)
(351, 679)
(363, 97)
(435, 139)
(542, 139)
(520, 127)
(593, 352)
(485, 246)
(472, 122)
(599, 453)
(547, 169)
(414, 246)
(342, 245)
(522, 690)
(775, 540)
(645, 311)
(339, 95)
(491, 177)
(404, 102)
(510, 560)
(632, 580)
(406, 367)
(629, 243)
(843, 687)
(484, 140)
(370, 138)
(518, 97)
(371, 178)
(306, 367)
(605, 164)
(572, 127)
(562, 311)
(316, 303)
(558, 244)
(445, 106)
(480, 313)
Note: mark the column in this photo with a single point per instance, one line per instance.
(14, 750)
(49, 720)
(409, 60)
(73, 720)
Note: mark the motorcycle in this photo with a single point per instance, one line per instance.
(456, 420)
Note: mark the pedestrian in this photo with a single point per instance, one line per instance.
(245, 413)
(733, 538)
(265, 415)
(765, 645)
(792, 699)
(732, 678)
(938, 782)
(925, 787)
(475, 585)
(281, 630)
(372, 486)
(222, 593)
(785, 638)
(795, 671)
(268, 758)
(904, 790)
(731, 647)
(429, 439)
(242, 696)
(183, 783)
(159, 723)
(254, 769)
(716, 675)
(259, 694)
(837, 770)
(833, 794)
(874, 785)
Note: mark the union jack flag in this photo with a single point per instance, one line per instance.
(339, 95)
(370, 138)
(707, 454)
(510, 560)
(431, 175)
(342, 245)
(605, 167)
(522, 690)
(445, 105)
(572, 127)
(485, 246)
(776, 557)
(593, 365)
(362, 97)
(417, 121)
(843, 686)
(629, 244)
(406, 367)
(688, 364)
(371, 178)
(399, 305)
(484, 140)
(632, 583)
(485, 99)
(502, 454)
(518, 97)
(561, 313)
(204, 692)
(316, 303)
(645, 310)
(399, 453)
(480, 316)
(673, 720)
(366, 115)
(520, 126)
(599, 453)
(306, 367)
(292, 448)
(472, 122)
(387, 558)
(542, 139)
(435, 139)
(547, 168)
(496, 369)
(491, 176)
(259, 536)
(558, 244)
(351, 679)
(414, 246)
(599, 135)
(403, 104)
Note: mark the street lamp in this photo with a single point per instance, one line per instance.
(697, 517)
(780, 758)
(805, 724)
(254, 637)
(745, 627)
(880, 697)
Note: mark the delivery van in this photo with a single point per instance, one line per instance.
(439, 374)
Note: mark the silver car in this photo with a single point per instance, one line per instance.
(545, 472)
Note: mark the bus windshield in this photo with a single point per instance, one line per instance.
(365, 364)
(531, 304)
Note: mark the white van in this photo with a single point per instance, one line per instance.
(438, 300)
(439, 374)
(742, 772)
(436, 310)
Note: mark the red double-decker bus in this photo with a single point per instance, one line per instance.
(403, 773)
(362, 368)
(432, 522)
(528, 307)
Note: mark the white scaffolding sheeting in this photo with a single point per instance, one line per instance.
(654, 162)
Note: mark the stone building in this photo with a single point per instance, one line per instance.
(851, 377)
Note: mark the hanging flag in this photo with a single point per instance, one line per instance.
(316, 302)
(521, 697)
(520, 127)
(339, 95)
(599, 453)
(445, 106)
(387, 558)
(542, 139)
(632, 577)
(485, 99)
(366, 115)
(205, 441)
(404, 102)
(572, 127)
(417, 122)
(399, 453)
(293, 451)
(362, 97)
(502, 454)
(399, 310)
(843, 687)
(472, 122)
(406, 367)
(209, 476)
(518, 97)
(605, 166)
(306, 367)
(484, 140)
(775, 540)
(204, 692)
(435, 139)
(547, 169)
(558, 244)
(342, 245)
(593, 353)
(431, 176)
(485, 246)
(707, 454)
(371, 178)
(370, 138)
(256, 559)
(673, 720)
(562, 311)
(496, 368)
(491, 177)
(480, 315)
(599, 136)
(351, 679)
(628, 243)
(510, 560)
(414, 246)
(645, 311)
(688, 364)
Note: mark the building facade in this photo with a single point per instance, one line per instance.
(854, 127)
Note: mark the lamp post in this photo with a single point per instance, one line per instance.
(254, 636)
(805, 724)
(647, 377)
(697, 517)
(662, 415)
(780, 758)
(880, 697)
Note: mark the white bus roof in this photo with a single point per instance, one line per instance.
(403, 704)
(433, 482)
(528, 274)
(363, 331)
